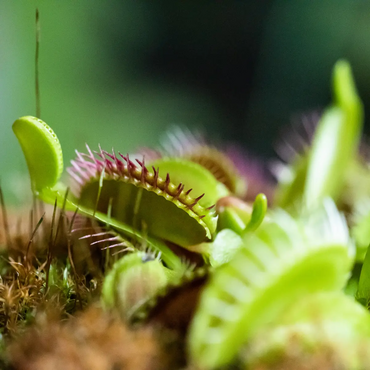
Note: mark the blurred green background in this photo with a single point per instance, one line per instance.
(120, 72)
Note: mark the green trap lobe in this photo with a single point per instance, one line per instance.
(154, 214)
(264, 277)
(41, 149)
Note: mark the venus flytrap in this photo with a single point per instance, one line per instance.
(284, 260)
(321, 172)
(334, 166)
(42, 151)
(336, 139)
(239, 216)
(337, 165)
(188, 198)
(166, 209)
(131, 197)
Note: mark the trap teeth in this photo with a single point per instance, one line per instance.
(153, 199)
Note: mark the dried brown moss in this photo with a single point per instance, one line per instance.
(94, 340)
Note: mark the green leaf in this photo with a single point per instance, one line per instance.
(236, 215)
(41, 149)
(229, 218)
(258, 213)
(336, 139)
(320, 172)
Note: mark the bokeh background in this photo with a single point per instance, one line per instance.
(120, 72)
